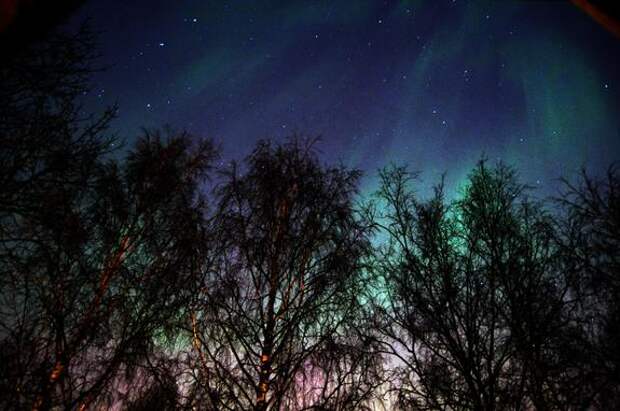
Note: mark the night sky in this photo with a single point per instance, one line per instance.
(435, 84)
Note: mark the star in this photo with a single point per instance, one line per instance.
(234, 60)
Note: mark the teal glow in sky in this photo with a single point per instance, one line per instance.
(435, 84)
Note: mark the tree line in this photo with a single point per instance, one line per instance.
(152, 279)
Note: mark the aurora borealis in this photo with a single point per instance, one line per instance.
(286, 205)
(434, 84)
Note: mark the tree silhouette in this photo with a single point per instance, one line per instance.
(105, 270)
(474, 295)
(590, 239)
(95, 253)
(281, 298)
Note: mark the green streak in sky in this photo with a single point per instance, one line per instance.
(567, 115)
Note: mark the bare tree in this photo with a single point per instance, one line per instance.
(95, 253)
(283, 292)
(99, 274)
(590, 240)
(473, 299)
